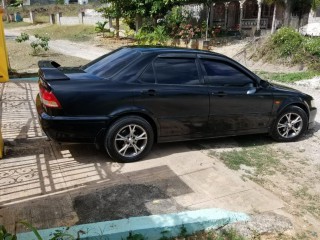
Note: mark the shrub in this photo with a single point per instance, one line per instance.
(22, 38)
(157, 36)
(175, 18)
(287, 41)
(41, 43)
(100, 27)
(312, 46)
(287, 46)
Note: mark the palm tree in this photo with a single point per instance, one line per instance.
(276, 3)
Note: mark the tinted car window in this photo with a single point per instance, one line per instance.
(111, 63)
(222, 74)
(176, 71)
(148, 75)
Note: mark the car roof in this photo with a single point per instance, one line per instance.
(162, 49)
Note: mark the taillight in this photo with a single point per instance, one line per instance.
(48, 98)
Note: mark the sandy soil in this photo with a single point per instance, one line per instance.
(299, 184)
(238, 50)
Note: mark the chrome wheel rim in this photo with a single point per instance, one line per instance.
(290, 125)
(131, 140)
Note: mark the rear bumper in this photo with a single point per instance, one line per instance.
(70, 129)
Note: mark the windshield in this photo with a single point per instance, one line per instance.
(109, 64)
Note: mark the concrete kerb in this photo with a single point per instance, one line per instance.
(32, 79)
(151, 227)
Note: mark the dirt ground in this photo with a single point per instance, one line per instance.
(295, 173)
(21, 59)
(296, 179)
(296, 176)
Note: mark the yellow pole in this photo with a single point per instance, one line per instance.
(4, 63)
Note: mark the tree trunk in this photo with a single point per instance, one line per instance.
(300, 18)
(273, 28)
(208, 16)
(154, 21)
(117, 27)
(138, 22)
(287, 13)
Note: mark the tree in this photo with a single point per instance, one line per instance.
(287, 12)
(298, 7)
(131, 9)
(276, 4)
(315, 4)
(207, 4)
(301, 7)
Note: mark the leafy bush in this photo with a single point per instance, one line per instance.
(22, 38)
(187, 31)
(100, 27)
(175, 18)
(312, 46)
(287, 46)
(156, 37)
(4, 235)
(287, 41)
(41, 43)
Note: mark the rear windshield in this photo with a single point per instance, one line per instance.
(108, 65)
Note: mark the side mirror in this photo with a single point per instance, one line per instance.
(252, 90)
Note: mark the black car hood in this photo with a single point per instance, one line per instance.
(280, 87)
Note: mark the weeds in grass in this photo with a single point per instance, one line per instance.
(310, 202)
(225, 234)
(263, 159)
(4, 235)
(11, 25)
(288, 77)
(77, 33)
(135, 236)
(41, 43)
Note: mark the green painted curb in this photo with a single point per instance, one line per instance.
(150, 227)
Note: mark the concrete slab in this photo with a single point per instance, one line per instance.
(50, 185)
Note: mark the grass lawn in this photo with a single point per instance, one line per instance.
(288, 77)
(76, 33)
(11, 25)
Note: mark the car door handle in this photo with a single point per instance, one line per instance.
(150, 92)
(219, 94)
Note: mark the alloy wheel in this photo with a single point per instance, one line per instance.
(130, 140)
(290, 125)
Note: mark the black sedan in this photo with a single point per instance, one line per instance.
(135, 96)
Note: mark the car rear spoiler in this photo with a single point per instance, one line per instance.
(49, 71)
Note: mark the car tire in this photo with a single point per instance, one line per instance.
(129, 139)
(290, 125)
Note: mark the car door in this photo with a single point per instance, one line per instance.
(237, 103)
(172, 91)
